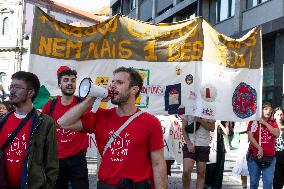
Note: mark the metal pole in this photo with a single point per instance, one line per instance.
(121, 7)
(137, 10)
(21, 36)
(154, 11)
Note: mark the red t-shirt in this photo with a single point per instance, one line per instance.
(129, 155)
(69, 142)
(16, 151)
(267, 138)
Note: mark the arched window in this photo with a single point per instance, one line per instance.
(5, 28)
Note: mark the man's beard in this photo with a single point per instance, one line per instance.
(67, 93)
(120, 100)
(18, 103)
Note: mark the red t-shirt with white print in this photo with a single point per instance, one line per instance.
(129, 155)
(267, 138)
(69, 143)
(16, 151)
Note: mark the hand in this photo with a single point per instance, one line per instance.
(197, 119)
(191, 147)
(91, 99)
(106, 99)
(260, 153)
(261, 121)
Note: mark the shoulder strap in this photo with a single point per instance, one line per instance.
(54, 101)
(4, 119)
(52, 106)
(79, 99)
(118, 131)
(17, 130)
(259, 138)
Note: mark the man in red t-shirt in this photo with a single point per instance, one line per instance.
(136, 156)
(72, 145)
(31, 158)
(262, 136)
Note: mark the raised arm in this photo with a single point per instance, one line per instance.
(71, 119)
(159, 169)
(272, 130)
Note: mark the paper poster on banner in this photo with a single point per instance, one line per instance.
(173, 98)
(173, 139)
(92, 149)
(143, 100)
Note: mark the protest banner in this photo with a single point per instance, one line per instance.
(187, 67)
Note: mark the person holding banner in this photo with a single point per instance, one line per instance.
(130, 141)
(72, 146)
(196, 135)
(261, 152)
(214, 171)
(28, 149)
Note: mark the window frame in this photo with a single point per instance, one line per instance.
(217, 3)
(132, 5)
(259, 2)
(5, 21)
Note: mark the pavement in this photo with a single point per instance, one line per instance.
(230, 180)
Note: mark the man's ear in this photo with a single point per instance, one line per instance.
(135, 89)
(31, 93)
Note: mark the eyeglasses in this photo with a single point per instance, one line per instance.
(16, 87)
(3, 108)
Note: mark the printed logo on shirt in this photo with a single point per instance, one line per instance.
(119, 148)
(17, 148)
(279, 145)
(265, 136)
(65, 135)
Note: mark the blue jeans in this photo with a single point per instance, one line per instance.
(267, 174)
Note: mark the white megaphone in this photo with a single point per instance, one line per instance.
(87, 88)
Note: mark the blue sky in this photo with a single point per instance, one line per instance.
(87, 5)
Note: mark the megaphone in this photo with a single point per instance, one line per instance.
(87, 88)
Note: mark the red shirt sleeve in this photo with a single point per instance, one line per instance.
(156, 140)
(88, 120)
(46, 108)
(249, 126)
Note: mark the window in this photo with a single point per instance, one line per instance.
(165, 10)
(220, 10)
(5, 27)
(116, 9)
(188, 13)
(168, 20)
(253, 3)
(132, 4)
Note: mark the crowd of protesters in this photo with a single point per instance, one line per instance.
(48, 149)
(261, 151)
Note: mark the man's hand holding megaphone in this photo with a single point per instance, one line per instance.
(97, 93)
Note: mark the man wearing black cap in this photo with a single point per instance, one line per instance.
(72, 146)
